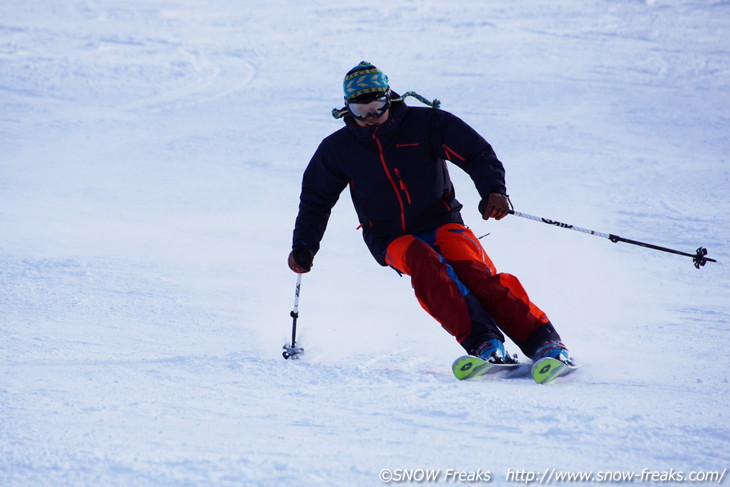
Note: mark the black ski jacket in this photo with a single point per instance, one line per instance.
(397, 176)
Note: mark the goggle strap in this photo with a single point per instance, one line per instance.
(342, 112)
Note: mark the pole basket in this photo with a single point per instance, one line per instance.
(699, 258)
(292, 351)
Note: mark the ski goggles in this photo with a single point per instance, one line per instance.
(374, 108)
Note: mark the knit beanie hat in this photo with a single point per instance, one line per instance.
(363, 79)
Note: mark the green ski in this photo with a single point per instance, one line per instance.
(548, 369)
(468, 367)
(544, 371)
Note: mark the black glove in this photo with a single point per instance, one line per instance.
(496, 206)
(300, 260)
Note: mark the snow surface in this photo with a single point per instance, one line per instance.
(150, 159)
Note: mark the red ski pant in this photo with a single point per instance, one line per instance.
(456, 283)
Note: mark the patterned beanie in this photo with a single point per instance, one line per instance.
(363, 79)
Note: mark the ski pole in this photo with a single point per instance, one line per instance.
(293, 351)
(699, 257)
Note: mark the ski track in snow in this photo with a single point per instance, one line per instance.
(150, 161)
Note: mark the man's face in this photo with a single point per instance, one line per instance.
(370, 111)
(374, 120)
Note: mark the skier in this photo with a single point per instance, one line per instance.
(392, 157)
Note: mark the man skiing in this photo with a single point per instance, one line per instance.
(393, 158)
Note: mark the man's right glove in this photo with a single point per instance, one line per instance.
(300, 260)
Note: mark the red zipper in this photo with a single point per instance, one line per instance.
(403, 185)
(451, 152)
(392, 183)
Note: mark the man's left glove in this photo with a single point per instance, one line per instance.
(300, 260)
(496, 206)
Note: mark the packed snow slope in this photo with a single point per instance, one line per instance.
(150, 159)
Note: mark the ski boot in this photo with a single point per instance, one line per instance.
(493, 351)
(554, 349)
